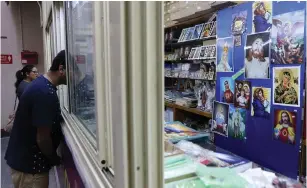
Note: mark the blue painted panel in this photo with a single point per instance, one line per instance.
(260, 145)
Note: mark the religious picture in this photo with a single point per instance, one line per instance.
(197, 31)
(286, 86)
(189, 34)
(238, 25)
(206, 52)
(213, 29)
(236, 122)
(181, 53)
(207, 30)
(220, 118)
(197, 53)
(257, 61)
(237, 40)
(288, 38)
(224, 54)
(284, 126)
(227, 89)
(182, 35)
(202, 52)
(213, 52)
(187, 52)
(262, 16)
(192, 53)
(261, 102)
(242, 94)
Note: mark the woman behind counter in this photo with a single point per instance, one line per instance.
(24, 76)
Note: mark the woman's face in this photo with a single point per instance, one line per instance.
(260, 93)
(242, 92)
(246, 89)
(286, 80)
(33, 74)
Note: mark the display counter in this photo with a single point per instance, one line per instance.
(206, 165)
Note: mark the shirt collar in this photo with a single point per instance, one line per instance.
(48, 82)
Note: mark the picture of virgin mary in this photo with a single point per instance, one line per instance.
(261, 102)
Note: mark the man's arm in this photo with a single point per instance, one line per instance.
(44, 142)
(44, 113)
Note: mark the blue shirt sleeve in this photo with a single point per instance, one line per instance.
(44, 110)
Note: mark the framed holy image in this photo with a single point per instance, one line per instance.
(213, 29)
(192, 53)
(242, 94)
(261, 102)
(284, 126)
(288, 38)
(189, 34)
(286, 86)
(238, 26)
(202, 52)
(206, 52)
(227, 90)
(187, 51)
(197, 31)
(257, 53)
(262, 16)
(182, 35)
(224, 54)
(213, 51)
(207, 31)
(209, 51)
(220, 118)
(197, 53)
(237, 122)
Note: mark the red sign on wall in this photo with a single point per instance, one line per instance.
(6, 59)
(80, 59)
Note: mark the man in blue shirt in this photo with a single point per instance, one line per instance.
(36, 132)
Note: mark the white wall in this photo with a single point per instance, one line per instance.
(32, 32)
(33, 41)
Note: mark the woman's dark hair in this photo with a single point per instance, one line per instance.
(22, 74)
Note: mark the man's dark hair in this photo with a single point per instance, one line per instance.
(58, 60)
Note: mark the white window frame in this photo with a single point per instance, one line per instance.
(133, 120)
(60, 41)
(129, 125)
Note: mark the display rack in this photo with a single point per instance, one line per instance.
(180, 113)
(190, 42)
(177, 108)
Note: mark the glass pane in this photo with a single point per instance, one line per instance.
(80, 37)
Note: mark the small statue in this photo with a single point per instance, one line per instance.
(198, 92)
(210, 97)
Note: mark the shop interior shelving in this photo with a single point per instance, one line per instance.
(181, 112)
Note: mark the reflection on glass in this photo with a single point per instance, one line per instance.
(80, 38)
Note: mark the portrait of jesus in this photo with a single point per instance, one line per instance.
(257, 61)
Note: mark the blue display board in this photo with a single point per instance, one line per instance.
(260, 145)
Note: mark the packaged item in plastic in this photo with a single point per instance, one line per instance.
(178, 166)
(199, 153)
(170, 149)
(194, 182)
(215, 177)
